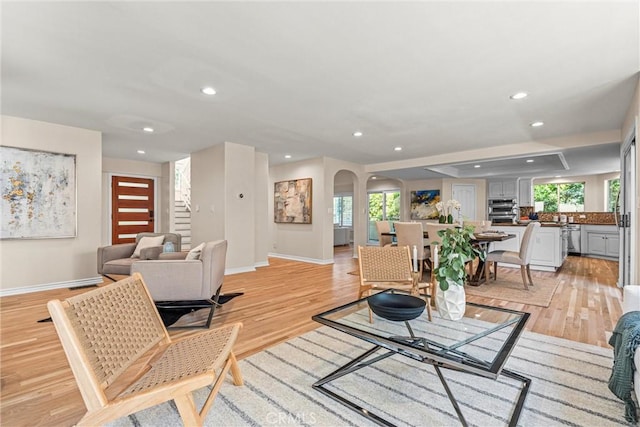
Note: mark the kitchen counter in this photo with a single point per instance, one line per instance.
(542, 224)
(550, 224)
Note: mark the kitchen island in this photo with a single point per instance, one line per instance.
(549, 244)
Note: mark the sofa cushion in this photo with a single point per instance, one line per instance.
(195, 252)
(119, 266)
(147, 242)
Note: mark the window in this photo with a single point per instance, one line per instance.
(613, 188)
(383, 206)
(343, 211)
(568, 197)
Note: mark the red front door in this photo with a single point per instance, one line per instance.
(132, 204)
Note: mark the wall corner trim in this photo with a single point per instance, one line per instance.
(49, 286)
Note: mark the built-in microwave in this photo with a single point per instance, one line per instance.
(503, 210)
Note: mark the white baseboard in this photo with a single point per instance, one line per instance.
(303, 259)
(262, 264)
(49, 286)
(237, 270)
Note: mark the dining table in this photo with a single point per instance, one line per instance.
(482, 240)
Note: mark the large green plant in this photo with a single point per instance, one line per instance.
(454, 253)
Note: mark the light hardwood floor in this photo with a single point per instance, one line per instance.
(37, 387)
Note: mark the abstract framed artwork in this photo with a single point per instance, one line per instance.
(38, 194)
(423, 204)
(292, 201)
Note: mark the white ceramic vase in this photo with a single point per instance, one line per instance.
(451, 303)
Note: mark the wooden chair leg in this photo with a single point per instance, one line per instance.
(495, 270)
(187, 409)
(428, 301)
(523, 272)
(529, 275)
(235, 370)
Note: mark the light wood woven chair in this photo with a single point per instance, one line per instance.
(389, 267)
(124, 361)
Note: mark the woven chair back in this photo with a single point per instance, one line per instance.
(113, 325)
(387, 264)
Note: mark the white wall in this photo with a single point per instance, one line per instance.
(261, 209)
(140, 169)
(219, 175)
(302, 241)
(207, 195)
(240, 194)
(29, 265)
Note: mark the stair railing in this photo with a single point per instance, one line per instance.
(184, 187)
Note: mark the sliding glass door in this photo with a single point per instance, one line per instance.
(383, 206)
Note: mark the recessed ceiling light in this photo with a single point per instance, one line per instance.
(140, 151)
(519, 95)
(357, 134)
(208, 90)
(558, 176)
(374, 177)
(476, 166)
(287, 156)
(536, 124)
(530, 160)
(148, 129)
(397, 148)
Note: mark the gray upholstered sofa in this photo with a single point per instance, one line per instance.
(117, 259)
(177, 282)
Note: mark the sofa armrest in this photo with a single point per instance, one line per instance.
(110, 253)
(172, 280)
(152, 252)
(173, 255)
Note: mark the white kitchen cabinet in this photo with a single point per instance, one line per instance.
(525, 193)
(601, 241)
(507, 189)
(547, 246)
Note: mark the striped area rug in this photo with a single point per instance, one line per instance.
(569, 388)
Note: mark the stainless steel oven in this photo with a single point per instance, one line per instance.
(503, 210)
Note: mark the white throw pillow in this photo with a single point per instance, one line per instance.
(147, 242)
(195, 252)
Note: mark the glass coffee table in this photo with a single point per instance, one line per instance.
(479, 344)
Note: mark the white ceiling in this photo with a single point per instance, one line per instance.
(300, 78)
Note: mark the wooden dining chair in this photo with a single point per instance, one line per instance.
(124, 361)
(389, 268)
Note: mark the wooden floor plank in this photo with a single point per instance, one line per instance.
(38, 388)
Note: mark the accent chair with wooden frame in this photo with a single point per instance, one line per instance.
(389, 267)
(124, 360)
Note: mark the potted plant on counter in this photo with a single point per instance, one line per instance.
(449, 263)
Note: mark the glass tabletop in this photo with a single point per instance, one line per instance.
(480, 342)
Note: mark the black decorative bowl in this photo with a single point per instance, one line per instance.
(398, 307)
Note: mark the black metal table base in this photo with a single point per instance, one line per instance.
(360, 362)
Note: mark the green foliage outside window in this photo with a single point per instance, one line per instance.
(567, 197)
(391, 204)
(613, 189)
